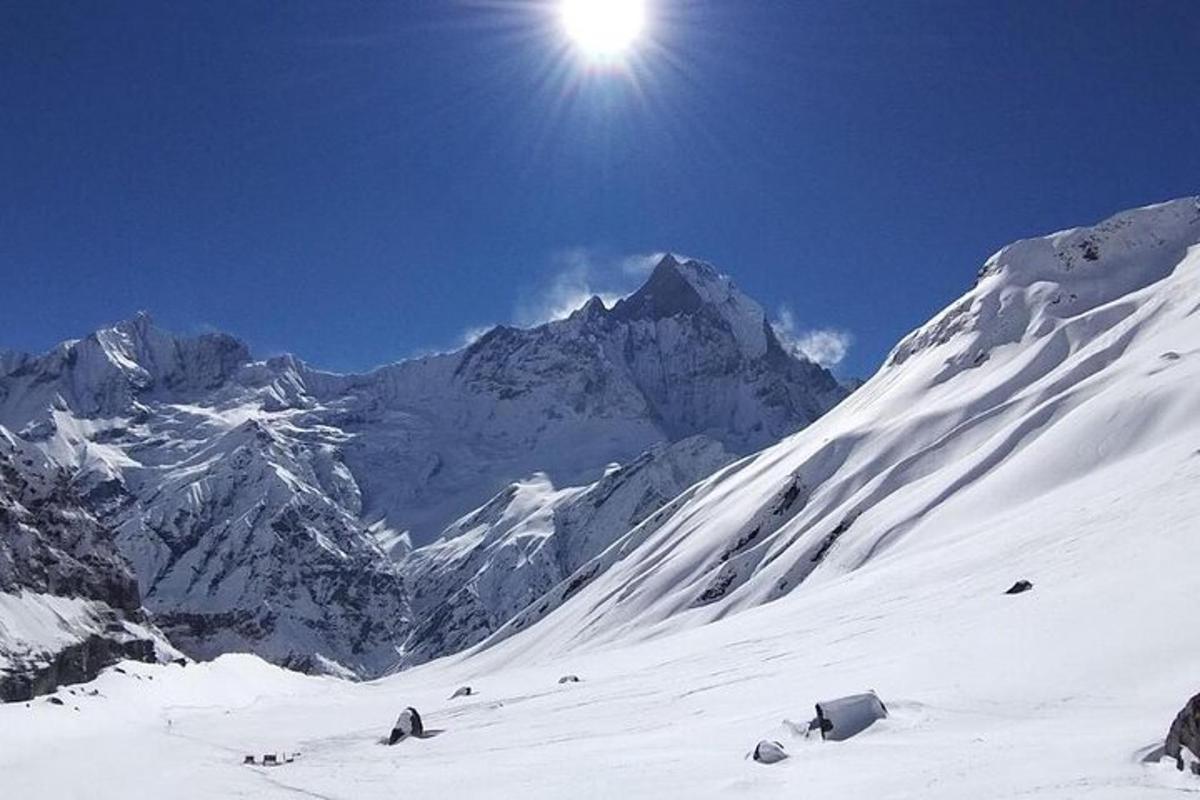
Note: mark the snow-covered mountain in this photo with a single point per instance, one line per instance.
(267, 506)
(502, 557)
(1073, 360)
(1044, 428)
(69, 604)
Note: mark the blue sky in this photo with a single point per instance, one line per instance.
(360, 181)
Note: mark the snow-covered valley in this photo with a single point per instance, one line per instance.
(1056, 693)
(1045, 428)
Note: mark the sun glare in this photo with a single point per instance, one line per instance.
(603, 29)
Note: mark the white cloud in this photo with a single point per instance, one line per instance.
(640, 265)
(473, 334)
(581, 274)
(824, 346)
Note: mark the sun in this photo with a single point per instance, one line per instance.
(603, 29)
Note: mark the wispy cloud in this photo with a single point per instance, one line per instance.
(577, 274)
(472, 334)
(824, 346)
(640, 265)
(576, 278)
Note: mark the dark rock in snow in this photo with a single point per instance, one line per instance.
(408, 724)
(849, 716)
(569, 679)
(462, 691)
(78, 663)
(1185, 734)
(769, 752)
(1019, 587)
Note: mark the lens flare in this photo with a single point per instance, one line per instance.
(603, 29)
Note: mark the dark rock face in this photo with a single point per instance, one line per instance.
(49, 543)
(1185, 733)
(78, 663)
(1019, 587)
(51, 546)
(666, 294)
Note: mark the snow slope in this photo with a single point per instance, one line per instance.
(1073, 354)
(1056, 693)
(1045, 427)
(505, 555)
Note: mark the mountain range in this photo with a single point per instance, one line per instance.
(270, 507)
(995, 534)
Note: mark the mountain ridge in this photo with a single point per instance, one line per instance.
(1069, 356)
(261, 502)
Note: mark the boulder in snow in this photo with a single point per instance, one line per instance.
(462, 691)
(1019, 587)
(569, 679)
(848, 716)
(407, 724)
(1184, 736)
(769, 752)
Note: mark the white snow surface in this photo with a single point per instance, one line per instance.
(1056, 693)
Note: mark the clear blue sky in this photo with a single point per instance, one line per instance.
(360, 181)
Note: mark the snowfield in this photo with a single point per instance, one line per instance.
(1045, 427)
(1056, 693)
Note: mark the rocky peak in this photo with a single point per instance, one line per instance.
(667, 293)
(112, 370)
(593, 309)
(693, 288)
(139, 348)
